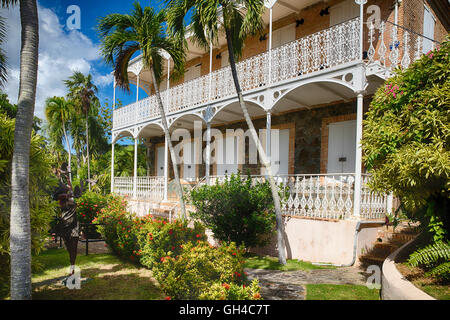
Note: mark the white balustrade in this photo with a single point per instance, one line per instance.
(395, 47)
(147, 188)
(324, 49)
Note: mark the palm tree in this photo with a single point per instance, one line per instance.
(3, 71)
(58, 112)
(238, 19)
(143, 30)
(83, 91)
(20, 235)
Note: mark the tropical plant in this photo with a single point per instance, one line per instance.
(83, 91)
(435, 257)
(406, 138)
(122, 36)
(237, 210)
(20, 234)
(58, 112)
(238, 20)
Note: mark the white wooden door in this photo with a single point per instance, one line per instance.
(341, 147)
(189, 150)
(160, 161)
(279, 152)
(282, 36)
(227, 156)
(428, 29)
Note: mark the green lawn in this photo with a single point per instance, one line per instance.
(340, 292)
(104, 276)
(271, 263)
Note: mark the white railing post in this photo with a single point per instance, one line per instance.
(361, 26)
(166, 168)
(135, 168)
(208, 151)
(358, 157)
(112, 165)
(268, 136)
(270, 45)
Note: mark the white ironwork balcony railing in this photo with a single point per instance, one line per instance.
(392, 46)
(328, 196)
(327, 48)
(147, 188)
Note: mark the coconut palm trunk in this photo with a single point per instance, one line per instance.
(20, 237)
(69, 152)
(262, 154)
(169, 141)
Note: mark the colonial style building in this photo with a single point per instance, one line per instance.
(307, 79)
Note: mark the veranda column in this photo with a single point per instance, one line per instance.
(208, 151)
(268, 136)
(361, 4)
(112, 140)
(270, 45)
(166, 168)
(112, 166)
(358, 157)
(135, 168)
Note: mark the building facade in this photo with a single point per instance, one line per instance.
(307, 79)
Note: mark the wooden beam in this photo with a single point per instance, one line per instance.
(297, 101)
(288, 6)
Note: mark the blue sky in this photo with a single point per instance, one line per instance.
(62, 51)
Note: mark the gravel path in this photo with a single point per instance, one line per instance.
(290, 285)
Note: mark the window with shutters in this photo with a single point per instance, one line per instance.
(428, 29)
(282, 36)
(343, 11)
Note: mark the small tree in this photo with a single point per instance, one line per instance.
(237, 210)
(406, 139)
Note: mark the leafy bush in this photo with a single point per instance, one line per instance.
(232, 291)
(237, 210)
(200, 270)
(89, 206)
(118, 228)
(41, 183)
(406, 137)
(159, 238)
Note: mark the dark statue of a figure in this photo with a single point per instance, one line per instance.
(67, 226)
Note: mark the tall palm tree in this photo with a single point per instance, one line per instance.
(237, 19)
(143, 30)
(58, 112)
(20, 234)
(83, 91)
(3, 71)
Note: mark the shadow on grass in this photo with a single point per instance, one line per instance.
(103, 277)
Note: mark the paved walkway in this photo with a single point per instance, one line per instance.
(290, 285)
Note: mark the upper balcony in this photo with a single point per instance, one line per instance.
(386, 46)
(325, 49)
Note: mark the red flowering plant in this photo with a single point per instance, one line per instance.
(202, 271)
(119, 228)
(158, 238)
(88, 208)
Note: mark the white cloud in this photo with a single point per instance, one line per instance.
(60, 53)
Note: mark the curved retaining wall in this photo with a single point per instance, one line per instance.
(394, 285)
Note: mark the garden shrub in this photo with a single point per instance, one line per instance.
(41, 184)
(237, 210)
(226, 291)
(118, 228)
(200, 269)
(88, 208)
(159, 238)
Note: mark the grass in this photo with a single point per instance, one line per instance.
(271, 263)
(107, 277)
(340, 292)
